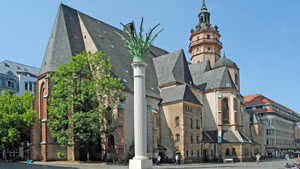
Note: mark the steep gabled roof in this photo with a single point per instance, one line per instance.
(172, 67)
(213, 79)
(178, 93)
(65, 40)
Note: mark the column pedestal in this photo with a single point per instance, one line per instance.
(140, 160)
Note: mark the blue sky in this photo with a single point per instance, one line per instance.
(262, 37)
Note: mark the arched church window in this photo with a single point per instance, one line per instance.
(201, 19)
(227, 152)
(225, 111)
(177, 121)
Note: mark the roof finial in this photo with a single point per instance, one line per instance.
(203, 4)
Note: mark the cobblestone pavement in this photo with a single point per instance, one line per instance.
(270, 164)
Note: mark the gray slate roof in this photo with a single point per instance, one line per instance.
(224, 61)
(214, 79)
(228, 136)
(178, 93)
(172, 67)
(16, 68)
(66, 40)
(201, 67)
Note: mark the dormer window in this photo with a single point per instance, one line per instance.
(7, 65)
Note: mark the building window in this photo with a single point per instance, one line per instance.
(227, 152)
(26, 85)
(225, 111)
(6, 65)
(259, 107)
(198, 153)
(188, 108)
(208, 36)
(192, 153)
(197, 124)
(198, 140)
(187, 153)
(177, 121)
(192, 140)
(10, 84)
(236, 79)
(177, 138)
(30, 86)
(191, 123)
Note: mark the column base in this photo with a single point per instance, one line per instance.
(140, 164)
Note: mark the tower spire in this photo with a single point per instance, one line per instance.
(203, 4)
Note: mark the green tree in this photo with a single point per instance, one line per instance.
(83, 92)
(16, 117)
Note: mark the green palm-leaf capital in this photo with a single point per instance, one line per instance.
(137, 45)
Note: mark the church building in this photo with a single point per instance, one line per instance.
(194, 108)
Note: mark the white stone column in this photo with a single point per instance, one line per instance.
(140, 160)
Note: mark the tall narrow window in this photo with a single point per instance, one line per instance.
(192, 140)
(191, 123)
(177, 121)
(236, 78)
(225, 111)
(197, 124)
(177, 138)
(30, 86)
(26, 85)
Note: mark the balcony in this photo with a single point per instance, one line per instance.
(205, 40)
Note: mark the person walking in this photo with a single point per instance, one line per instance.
(287, 157)
(258, 158)
(158, 160)
(177, 160)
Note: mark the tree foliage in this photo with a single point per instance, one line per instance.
(136, 44)
(16, 117)
(83, 90)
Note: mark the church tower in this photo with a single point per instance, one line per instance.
(205, 44)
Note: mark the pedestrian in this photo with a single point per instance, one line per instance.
(158, 160)
(257, 158)
(287, 157)
(177, 160)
